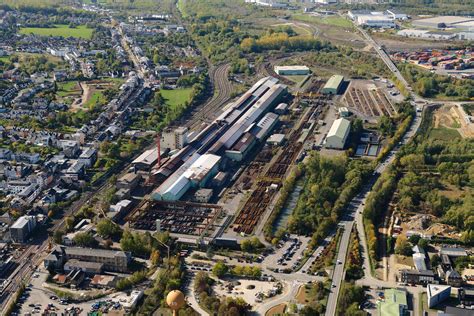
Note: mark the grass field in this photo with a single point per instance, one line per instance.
(95, 98)
(443, 133)
(68, 88)
(177, 96)
(328, 20)
(63, 30)
(4, 58)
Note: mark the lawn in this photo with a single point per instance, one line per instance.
(328, 20)
(443, 133)
(67, 88)
(63, 30)
(96, 97)
(177, 96)
(4, 58)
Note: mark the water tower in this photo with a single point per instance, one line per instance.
(175, 301)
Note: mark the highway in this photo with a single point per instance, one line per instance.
(355, 208)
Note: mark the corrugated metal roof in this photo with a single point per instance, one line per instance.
(334, 82)
(201, 167)
(339, 128)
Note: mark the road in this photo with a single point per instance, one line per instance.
(285, 298)
(356, 205)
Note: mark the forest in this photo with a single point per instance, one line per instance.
(330, 184)
(432, 85)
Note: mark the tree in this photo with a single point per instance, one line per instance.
(58, 236)
(403, 247)
(423, 243)
(155, 257)
(219, 269)
(108, 229)
(251, 244)
(435, 260)
(84, 240)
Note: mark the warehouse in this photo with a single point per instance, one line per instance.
(370, 20)
(243, 146)
(333, 85)
(264, 126)
(291, 70)
(441, 22)
(203, 169)
(338, 134)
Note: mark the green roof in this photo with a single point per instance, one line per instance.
(394, 304)
(340, 128)
(334, 82)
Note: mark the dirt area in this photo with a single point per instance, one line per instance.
(276, 310)
(452, 116)
(424, 223)
(302, 295)
(247, 289)
(395, 43)
(369, 99)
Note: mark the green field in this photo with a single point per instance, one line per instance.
(443, 133)
(4, 58)
(177, 96)
(96, 97)
(67, 88)
(63, 30)
(328, 20)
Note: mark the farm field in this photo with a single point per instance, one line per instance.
(177, 96)
(63, 30)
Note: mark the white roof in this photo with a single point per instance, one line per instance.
(339, 128)
(278, 68)
(435, 289)
(201, 167)
(147, 157)
(22, 221)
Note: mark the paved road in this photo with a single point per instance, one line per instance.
(356, 205)
(285, 298)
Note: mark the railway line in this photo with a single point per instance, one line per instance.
(223, 90)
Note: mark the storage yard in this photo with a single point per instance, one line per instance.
(368, 100)
(440, 60)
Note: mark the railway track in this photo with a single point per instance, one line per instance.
(223, 89)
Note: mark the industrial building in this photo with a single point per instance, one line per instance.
(414, 33)
(291, 70)
(21, 229)
(147, 159)
(437, 294)
(338, 133)
(174, 138)
(394, 304)
(442, 22)
(230, 137)
(333, 85)
(380, 21)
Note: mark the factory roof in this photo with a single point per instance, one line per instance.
(148, 157)
(339, 128)
(279, 68)
(276, 138)
(201, 167)
(334, 82)
(447, 19)
(244, 142)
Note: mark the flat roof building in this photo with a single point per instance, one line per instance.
(333, 85)
(437, 294)
(21, 229)
(394, 304)
(441, 22)
(291, 70)
(338, 133)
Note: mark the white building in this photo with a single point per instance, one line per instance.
(21, 229)
(414, 33)
(370, 20)
(338, 133)
(437, 294)
(291, 70)
(174, 138)
(268, 3)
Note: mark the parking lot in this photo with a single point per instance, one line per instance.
(288, 254)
